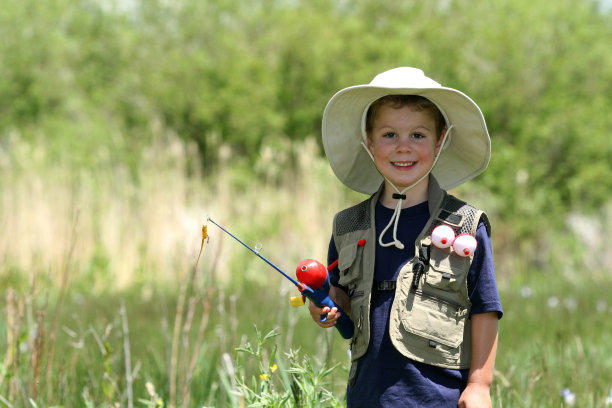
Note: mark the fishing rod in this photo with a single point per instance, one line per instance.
(313, 283)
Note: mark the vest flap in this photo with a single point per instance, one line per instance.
(346, 257)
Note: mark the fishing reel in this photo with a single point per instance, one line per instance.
(312, 273)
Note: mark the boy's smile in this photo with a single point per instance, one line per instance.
(403, 142)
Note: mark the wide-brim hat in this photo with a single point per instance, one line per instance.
(465, 154)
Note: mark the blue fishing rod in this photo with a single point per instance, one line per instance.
(310, 272)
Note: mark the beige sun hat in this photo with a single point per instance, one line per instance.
(465, 154)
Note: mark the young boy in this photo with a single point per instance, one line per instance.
(425, 312)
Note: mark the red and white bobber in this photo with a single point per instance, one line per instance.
(442, 236)
(464, 245)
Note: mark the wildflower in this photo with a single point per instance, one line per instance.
(609, 399)
(602, 305)
(570, 303)
(154, 397)
(553, 302)
(569, 397)
(526, 292)
(150, 389)
(265, 376)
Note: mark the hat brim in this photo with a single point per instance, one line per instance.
(466, 156)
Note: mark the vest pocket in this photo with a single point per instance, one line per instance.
(442, 279)
(434, 318)
(346, 264)
(442, 263)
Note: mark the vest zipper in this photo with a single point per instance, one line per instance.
(449, 302)
(359, 327)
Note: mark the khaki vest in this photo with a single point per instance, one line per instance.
(429, 322)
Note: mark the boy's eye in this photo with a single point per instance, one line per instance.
(418, 136)
(389, 135)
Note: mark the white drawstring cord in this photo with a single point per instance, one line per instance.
(395, 220)
(400, 194)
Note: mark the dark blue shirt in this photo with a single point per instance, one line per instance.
(385, 378)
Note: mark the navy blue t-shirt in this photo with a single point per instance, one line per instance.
(385, 378)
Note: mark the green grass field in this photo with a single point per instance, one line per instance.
(100, 307)
(553, 336)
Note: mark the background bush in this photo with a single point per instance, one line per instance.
(91, 81)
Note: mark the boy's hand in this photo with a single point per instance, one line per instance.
(475, 396)
(316, 312)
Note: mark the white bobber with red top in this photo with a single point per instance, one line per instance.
(464, 244)
(442, 236)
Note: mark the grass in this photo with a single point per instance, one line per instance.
(555, 335)
(101, 305)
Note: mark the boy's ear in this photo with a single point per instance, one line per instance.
(440, 140)
(369, 141)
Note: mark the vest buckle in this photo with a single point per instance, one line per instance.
(384, 285)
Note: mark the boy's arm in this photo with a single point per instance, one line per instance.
(484, 346)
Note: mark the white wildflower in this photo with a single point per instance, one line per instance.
(602, 306)
(150, 389)
(553, 302)
(569, 398)
(609, 399)
(526, 292)
(570, 303)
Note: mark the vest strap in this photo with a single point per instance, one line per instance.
(384, 285)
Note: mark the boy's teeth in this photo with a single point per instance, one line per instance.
(403, 164)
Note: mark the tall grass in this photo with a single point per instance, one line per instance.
(102, 305)
(144, 223)
(95, 256)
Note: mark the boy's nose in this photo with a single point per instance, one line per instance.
(403, 142)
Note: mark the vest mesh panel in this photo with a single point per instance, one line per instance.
(354, 219)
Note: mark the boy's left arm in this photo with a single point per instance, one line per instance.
(484, 346)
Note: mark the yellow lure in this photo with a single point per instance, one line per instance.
(204, 237)
(297, 301)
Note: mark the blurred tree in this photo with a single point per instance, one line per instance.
(98, 80)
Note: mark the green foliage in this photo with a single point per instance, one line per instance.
(92, 348)
(95, 82)
(534, 75)
(303, 384)
(552, 337)
(555, 334)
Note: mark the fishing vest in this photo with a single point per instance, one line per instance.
(429, 315)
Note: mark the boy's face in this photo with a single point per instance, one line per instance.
(404, 143)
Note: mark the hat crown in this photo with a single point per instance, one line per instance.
(404, 77)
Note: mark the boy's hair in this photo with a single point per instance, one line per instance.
(399, 101)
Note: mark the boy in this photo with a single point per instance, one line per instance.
(425, 314)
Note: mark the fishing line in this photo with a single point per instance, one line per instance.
(256, 250)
